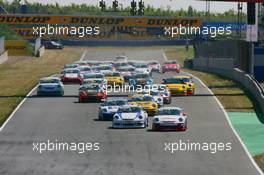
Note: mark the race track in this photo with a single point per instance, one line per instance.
(122, 152)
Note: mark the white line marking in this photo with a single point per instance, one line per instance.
(21, 103)
(228, 121)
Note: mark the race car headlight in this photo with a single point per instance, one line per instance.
(159, 99)
(154, 105)
(116, 117)
(190, 85)
(155, 120)
(140, 117)
(180, 119)
(104, 110)
(184, 87)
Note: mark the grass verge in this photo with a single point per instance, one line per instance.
(260, 161)
(20, 74)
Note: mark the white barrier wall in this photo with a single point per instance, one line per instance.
(224, 66)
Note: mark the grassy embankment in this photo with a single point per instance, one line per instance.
(20, 74)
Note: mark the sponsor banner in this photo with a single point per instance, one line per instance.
(233, 25)
(16, 47)
(113, 32)
(99, 20)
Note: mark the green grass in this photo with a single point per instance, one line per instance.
(20, 74)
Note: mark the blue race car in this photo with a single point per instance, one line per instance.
(108, 109)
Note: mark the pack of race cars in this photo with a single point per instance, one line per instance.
(95, 78)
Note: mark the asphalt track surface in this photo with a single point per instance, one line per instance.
(122, 152)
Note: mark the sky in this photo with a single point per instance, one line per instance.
(173, 4)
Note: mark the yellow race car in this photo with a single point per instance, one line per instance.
(146, 101)
(189, 83)
(114, 78)
(176, 86)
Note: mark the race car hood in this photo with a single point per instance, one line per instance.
(128, 116)
(71, 75)
(146, 104)
(175, 86)
(114, 79)
(170, 118)
(170, 65)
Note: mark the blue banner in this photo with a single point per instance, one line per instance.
(233, 25)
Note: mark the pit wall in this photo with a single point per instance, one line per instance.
(224, 67)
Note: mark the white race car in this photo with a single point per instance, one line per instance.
(130, 116)
(143, 67)
(157, 97)
(170, 118)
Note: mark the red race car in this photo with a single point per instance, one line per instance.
(91, 93)
(71, 75)
(170, 66)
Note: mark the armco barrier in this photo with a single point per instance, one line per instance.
(223, 66)
(3, 57)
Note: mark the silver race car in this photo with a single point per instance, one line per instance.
(130, 116)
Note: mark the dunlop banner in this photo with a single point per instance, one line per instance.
(16, 47)
(121, 32)
(99, 20)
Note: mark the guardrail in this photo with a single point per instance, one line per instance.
(249, 82)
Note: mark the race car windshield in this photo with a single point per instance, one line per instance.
(85, 69)
(154, 62)
(92, 81)
(186, 80)
(93, 76)
(169, 112)
(114, 103)
(90, 88)
(141, 66)
(154, 93)
(145, 98)
(128, 110)
(126, 69)
(104, 68)
(173, 81)
(49, 81)
(141, 76)
(171, 62)
(70, 66)
(113, 75)
(72, 71)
